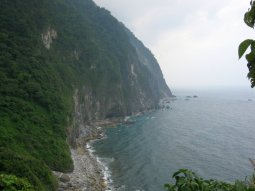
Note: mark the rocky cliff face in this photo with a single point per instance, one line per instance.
(128, 81)
(118, 75)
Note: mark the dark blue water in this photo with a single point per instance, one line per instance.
(213, 135)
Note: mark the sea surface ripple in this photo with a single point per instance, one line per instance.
(213, 135)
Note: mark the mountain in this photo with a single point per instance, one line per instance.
(55, 54)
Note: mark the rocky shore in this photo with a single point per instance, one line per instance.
(88, 172)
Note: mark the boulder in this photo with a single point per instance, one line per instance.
(64, 178)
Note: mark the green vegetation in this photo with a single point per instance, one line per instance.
(186, 180)
(13, 183)
(28, 167)
(249, 19)
(33, 103)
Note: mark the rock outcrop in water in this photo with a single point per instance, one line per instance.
(64, 64)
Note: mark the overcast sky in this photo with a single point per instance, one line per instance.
(194, 41)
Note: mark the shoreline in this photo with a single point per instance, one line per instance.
(89, 172)
(106, 174)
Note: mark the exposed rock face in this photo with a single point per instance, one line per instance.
(87, 173)
(156, 81)
(48, 37)
(139, 87)
(117, 74)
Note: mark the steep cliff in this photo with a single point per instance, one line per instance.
(53, 51)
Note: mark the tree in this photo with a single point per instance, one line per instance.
(249, 19)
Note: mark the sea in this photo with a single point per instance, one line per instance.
(211, 132)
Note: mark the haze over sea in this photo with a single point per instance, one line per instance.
(213, 135)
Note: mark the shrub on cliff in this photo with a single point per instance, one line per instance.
(33, 170)
(13, 183)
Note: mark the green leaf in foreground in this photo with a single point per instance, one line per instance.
(250, 57)
(243, 47)
(249, 16)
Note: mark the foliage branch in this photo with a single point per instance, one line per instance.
(186, 180)
(249, 19)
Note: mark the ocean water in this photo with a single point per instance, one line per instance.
(213, 135)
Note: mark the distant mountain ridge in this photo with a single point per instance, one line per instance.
(54, 52)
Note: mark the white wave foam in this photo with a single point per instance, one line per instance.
(90, 148)
(103, 164)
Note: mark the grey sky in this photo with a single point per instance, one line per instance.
(194, 41)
